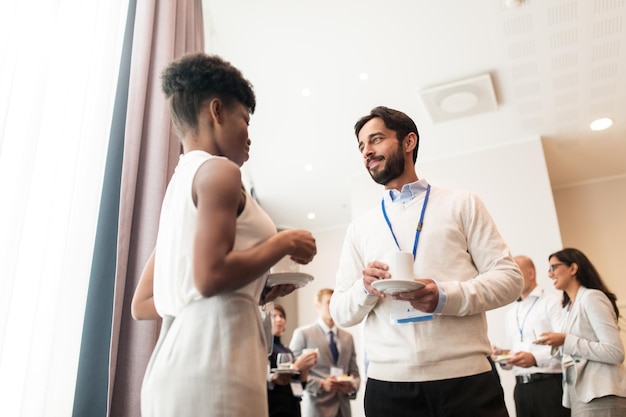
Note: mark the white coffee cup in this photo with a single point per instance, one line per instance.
(400, 265)
(285, 265)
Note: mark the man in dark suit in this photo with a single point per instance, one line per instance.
(334, 381)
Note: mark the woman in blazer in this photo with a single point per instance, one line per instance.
(590, 346)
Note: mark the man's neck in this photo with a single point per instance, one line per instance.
(399, 182)
(527, 293)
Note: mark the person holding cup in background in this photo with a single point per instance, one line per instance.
(538, 390)
(214, 247)
(334, 380)
(589, 343)
(436, 363)
(284, 388)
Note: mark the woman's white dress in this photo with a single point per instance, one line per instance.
(211, 356)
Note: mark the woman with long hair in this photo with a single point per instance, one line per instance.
(591, 350)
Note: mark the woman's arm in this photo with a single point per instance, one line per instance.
(595, 336)
(142, 306)
(599, 339)
(217, 267)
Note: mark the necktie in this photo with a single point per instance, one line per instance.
(333, 347)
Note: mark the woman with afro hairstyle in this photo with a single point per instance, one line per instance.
(214, 248)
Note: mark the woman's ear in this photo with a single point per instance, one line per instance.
(216, 110)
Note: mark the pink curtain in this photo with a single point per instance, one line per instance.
(164, 31)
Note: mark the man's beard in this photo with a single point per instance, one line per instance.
(394, 167)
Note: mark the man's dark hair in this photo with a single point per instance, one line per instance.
(194, 78)
(394, 120)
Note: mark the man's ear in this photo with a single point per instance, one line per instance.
(410, 141)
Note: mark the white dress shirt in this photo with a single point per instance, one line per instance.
(525, 321)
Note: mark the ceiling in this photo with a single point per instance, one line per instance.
(554, 65)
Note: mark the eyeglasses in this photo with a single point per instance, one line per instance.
(553, 267)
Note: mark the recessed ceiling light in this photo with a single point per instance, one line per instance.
(601, 124)
(310, 216)
(363, 76)
(306, 92)
(308, 167)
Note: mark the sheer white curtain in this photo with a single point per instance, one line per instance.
(58, 69)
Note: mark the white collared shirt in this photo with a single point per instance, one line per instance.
(327, 330)
(525, 321)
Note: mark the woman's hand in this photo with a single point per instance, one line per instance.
(302, 243)
(551, 338)
(281, 379)
(276, 291)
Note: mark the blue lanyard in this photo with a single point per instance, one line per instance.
(418, 229)
(521, 328)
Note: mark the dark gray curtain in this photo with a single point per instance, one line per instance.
(92, 382)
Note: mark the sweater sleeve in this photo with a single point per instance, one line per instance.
(499, 280)
(350, 303)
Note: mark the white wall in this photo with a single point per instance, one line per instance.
(512, 181)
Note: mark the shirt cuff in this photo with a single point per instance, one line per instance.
(443, 297)
(363, 287)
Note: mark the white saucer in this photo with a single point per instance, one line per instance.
(395, 286)
(284, 371)
(299, 279)
(503, 358)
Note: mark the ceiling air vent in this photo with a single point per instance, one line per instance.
(459, 99)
